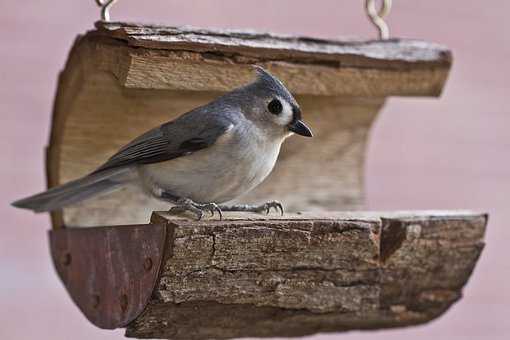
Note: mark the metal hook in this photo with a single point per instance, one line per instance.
(105, 8)
(376, 16)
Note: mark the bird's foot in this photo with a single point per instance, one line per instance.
(197, 209)
(265, 207)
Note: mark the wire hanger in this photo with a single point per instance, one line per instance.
(377, 16)
(105, 8)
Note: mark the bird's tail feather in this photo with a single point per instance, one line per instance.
(74, 191)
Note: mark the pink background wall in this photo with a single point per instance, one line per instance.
(424, 153)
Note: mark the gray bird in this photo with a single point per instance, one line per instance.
(207, 156)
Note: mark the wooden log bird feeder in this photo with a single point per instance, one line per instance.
(250, 275)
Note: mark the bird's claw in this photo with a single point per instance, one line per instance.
(196, 208)
(277, 206)
(212, 208)
(265, 207)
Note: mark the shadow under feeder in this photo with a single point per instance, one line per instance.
(123, 79)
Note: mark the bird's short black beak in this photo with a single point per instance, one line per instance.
(300, 128)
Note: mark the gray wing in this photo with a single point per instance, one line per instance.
(191, 132)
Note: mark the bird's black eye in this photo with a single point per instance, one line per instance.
(275, 107)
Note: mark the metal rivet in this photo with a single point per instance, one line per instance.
(95, 301)
(147, 264)
(123, 302)
(66, 259)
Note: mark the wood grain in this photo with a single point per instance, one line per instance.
(253, 276)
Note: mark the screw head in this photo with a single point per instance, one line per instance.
(147, 264)
(95, 301)
(123, 302)
(67, 259)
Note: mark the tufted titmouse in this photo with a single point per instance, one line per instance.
(207, 156)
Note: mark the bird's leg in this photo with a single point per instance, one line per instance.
(265, 207)
(185, 204)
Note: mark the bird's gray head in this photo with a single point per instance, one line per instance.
(267, 102)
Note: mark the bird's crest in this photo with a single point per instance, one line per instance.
(268, 81)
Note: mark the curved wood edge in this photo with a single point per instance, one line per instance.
(68, 86)
(109, 272)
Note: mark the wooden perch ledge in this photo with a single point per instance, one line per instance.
(258, 276)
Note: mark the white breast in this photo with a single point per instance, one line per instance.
(238, 162)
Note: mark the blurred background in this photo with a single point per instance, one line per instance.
(447, 153)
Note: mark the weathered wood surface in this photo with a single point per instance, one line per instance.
(303, 274)
(347, 52)
(122, 80)
(180, 58)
